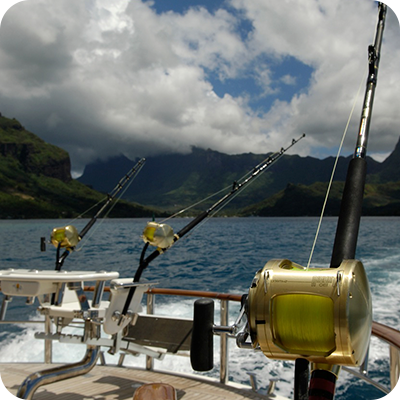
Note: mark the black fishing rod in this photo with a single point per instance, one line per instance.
(110, 197)
(236, 188)
(345, 243)
(350, 211)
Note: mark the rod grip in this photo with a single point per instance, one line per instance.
(345, 244)
(202, 346)
(322, 385)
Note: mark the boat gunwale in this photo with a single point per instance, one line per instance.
(383, 332)
(379, 330)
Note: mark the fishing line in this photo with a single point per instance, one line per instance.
(167, 239)
(60, 236)
(217, 210)
(220, 191)
(88, 210)
(333, 173)
(238, 190)
(245, 176)
(194, 205)
(110, 209)
(79, 217)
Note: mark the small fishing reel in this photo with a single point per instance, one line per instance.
(62, 237)
(65, 237)
(321, 314)
(158, 235)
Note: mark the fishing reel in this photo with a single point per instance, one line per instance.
(158, 235)
(63, 237)
(321, 314)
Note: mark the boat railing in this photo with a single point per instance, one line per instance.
(382, 332)
(224, 299)
(386, 334)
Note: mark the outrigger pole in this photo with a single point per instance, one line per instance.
(110, 197)
(322, 383)
(237, 187)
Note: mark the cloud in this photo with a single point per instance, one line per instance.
(101, 77)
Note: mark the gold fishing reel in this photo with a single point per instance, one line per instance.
(323, 315)
(158, 235)
(65, 236)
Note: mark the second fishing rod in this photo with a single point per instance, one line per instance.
(162, 236)
(68, 237)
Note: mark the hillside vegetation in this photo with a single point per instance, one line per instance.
(293, 186)
(35, 180)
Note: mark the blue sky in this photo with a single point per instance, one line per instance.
(182, 6)
(105, 77)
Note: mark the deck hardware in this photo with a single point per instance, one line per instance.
(339, 281)
(30, 300)
(59, 294)
(116, 316)
(121, 359)
(102, 358)
(7, 299)
(271, 387)
(253, 381)
(241, 341)
(266, 280)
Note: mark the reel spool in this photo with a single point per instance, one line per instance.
(323, 315)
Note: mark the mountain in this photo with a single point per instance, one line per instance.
(390, 169)
(176, 181)
(300, 200)
(35, 180)
(381, 194)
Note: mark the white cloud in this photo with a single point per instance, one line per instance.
(289, 79)
(102, 77)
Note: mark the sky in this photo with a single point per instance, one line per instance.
(101, 78)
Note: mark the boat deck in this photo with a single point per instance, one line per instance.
(119, 383)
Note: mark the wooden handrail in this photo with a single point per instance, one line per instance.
(389, 335)
(196, 293)
(182, 292)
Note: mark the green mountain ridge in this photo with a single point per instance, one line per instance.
(293, 186)
(35, 180)
(301, 200)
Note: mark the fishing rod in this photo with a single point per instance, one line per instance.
(344, 248)
(68, 237)
(162, 236)
(350, 212)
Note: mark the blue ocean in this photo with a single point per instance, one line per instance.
(221, 255)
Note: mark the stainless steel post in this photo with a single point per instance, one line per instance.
(150, 310)
(223, 373)
(48, 344)
(4, 307)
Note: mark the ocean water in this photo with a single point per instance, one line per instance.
(221, 255)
